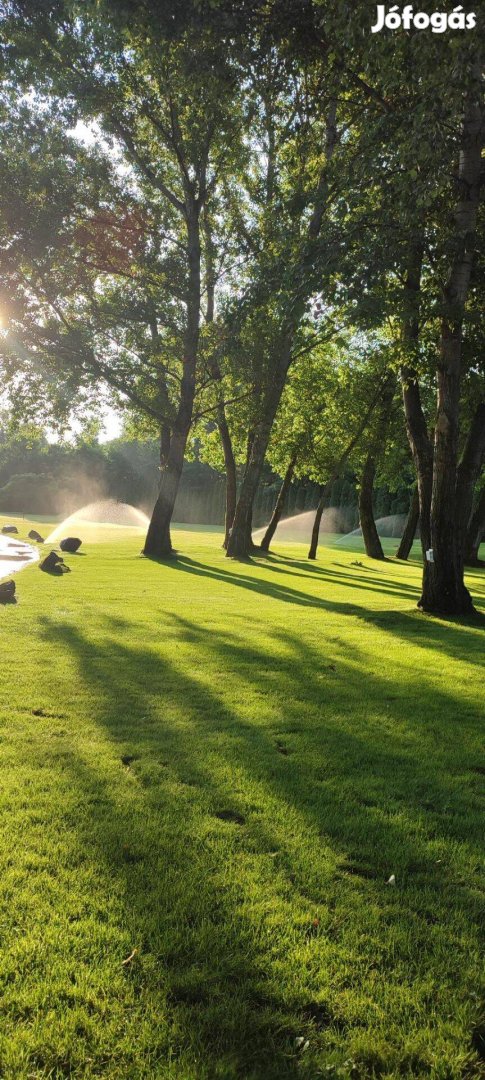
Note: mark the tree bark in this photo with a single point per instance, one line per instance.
(158, 543)
(231, 475)
(215, 372)
(468, 472)
(372, 543)
(475, 533)
(416, 426)
(325, 490)
(279, 505)
(444, 590)
(376, 447)
(410, 526)
(240, 543)
(421, 449)
(324, 493)
(165, 437)
(227, 449)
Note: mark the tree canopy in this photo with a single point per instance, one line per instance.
(197, 199)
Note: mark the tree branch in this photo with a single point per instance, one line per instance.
(128, 141)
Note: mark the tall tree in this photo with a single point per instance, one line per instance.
(295, 119)
(410, 526)
(375, 446)
(159, 99)
(443, 585)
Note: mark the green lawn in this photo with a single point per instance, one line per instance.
(220, 766)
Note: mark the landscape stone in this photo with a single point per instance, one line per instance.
(53, 564)
(7, 592)
(71, 544)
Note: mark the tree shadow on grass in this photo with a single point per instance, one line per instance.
(454, 636)
(475, 578)
(382, 584)
(286, 566)
(361, 783)
(197, 961)
(283, 591)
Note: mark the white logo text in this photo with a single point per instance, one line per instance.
(438, 22)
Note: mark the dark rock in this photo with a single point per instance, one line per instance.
(8, 530)
(71, 544)
(33, 535)
(53, 564)
(7, 592)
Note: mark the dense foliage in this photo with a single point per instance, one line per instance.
(197, 200)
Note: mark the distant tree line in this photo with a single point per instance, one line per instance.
(46, 478)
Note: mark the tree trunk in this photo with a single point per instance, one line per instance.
(444, 590)
(164, 400)
(416, 426)
(475, 533)
(376, 447)
(215, 371)
(410, 526)
(468, 472)
(158, 544)
(230, 468)
(422, 451)
(324, 492)
(279, 505)
(372, 543)
(165, 437)
(240, 544)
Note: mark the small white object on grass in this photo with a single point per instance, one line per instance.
(130, 958)
(392, 880)
(301, 1043)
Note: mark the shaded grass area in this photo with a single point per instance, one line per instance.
(210, 770)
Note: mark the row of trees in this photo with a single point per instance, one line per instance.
(38, 476)
(50, 478)
(256, 219)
